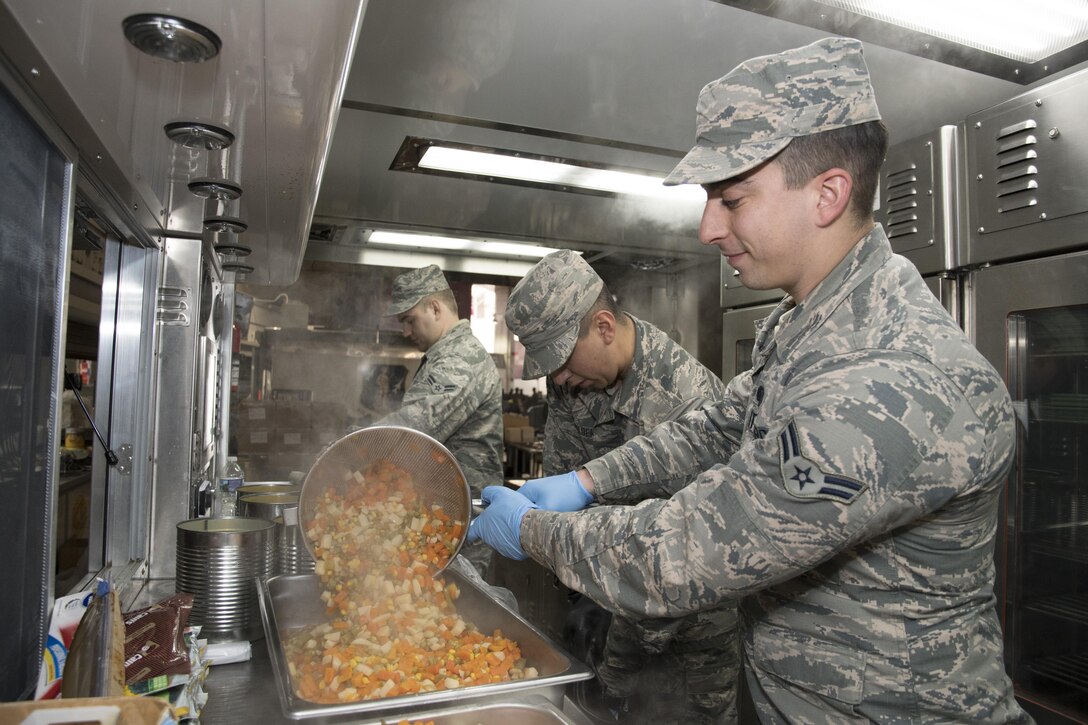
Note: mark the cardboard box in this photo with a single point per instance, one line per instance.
(254, 440)
(255, 412)
(291, 440)
(322, 437)
(329, 416)
(82, 710)
(514, 420)
(293, 414)
(521, 434)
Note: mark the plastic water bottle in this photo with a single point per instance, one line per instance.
(229, 483)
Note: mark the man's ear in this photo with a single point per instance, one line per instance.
(835, 187)
(436, 307)
(605, 322)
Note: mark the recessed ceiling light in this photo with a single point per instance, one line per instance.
(1002, 27)
(1014, 40)
(429, 242)
(171, 38)
(549, 172)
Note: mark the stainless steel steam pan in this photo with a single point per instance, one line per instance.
(529, 710)
(290, 602)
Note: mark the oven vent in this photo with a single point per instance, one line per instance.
(1016, 173)
(919, 197)
(902, 200)
(174, 306)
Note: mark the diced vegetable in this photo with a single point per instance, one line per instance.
(394, 628)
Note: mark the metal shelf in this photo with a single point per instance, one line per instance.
(1071, 670)
(1069, 544)
(1073, 607)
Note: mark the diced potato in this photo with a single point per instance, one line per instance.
(391, 621)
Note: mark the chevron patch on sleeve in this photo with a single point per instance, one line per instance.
(804, 479)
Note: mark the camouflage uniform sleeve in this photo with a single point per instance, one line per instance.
(664, 460)
(439, 400)
(884, 438)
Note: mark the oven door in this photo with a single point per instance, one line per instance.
(1030, 319)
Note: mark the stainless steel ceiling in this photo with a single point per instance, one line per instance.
(606, 81)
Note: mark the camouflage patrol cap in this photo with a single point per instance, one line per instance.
(410, 287)
(546, 308)
(755, 110)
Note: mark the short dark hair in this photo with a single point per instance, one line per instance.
(604, 301)
(859, 149)
(445, 297)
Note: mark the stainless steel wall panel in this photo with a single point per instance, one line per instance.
(1028, 193)
(124, 401)
(178, 327)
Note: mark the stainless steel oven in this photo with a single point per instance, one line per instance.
(1027, 312)
(1030, 319)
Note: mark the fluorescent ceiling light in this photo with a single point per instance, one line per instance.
(520, 168)
(1025, 32)
(413, 259)
(455, 244)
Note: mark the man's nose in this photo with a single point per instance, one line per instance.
(714, 225)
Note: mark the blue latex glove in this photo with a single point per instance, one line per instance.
(557, 493)
(499, 525)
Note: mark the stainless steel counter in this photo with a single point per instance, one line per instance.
(246, 692)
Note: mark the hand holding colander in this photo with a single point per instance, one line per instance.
(435, 474)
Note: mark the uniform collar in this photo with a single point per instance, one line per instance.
(623, 395)
(868, 255)
(459, 330)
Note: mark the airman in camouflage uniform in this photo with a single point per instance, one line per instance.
(690, 664)
(455, 396)
(847, 487)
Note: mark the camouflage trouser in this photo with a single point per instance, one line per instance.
(675, 670)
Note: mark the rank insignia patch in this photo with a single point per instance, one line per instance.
(804, 479)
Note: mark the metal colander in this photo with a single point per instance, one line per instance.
(436, 475)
